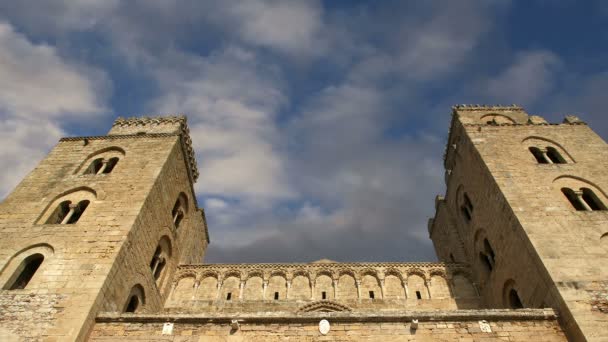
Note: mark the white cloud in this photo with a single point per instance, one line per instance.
(38, 88)
(293, 26)
(232, 107)
(528, 78)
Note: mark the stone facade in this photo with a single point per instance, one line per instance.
(104, 240)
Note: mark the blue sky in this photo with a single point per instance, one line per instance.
(318, 126)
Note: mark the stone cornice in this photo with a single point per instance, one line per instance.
(325, 265)
(344, 316)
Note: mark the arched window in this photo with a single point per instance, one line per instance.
(101, 166)
(68, 213)
(538, 155)
(584, 199)
(466, 207)
(160, 259)
(135, 300)
(25, 272)
(555, 156)
(179, 210)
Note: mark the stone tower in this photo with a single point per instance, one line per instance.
(99, 225)
(525, 206)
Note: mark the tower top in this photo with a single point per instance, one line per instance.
(155, 125)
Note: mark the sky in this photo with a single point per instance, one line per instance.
(319, 127)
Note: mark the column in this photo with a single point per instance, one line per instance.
(219, 286)
(265, 286)
(335, 282)
(70, 213)
(312, 290)
(358, 283)
(104, 165)
(404, 283)
(545, 156)
(428, 287)
(288, 287)
(579, 198)
(241, 288)
(197, 284)
(382, 289)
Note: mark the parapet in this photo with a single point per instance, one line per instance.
(491, 115)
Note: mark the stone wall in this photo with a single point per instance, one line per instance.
(473, 325)
(505, 214)
(287, 287)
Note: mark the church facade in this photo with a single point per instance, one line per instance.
(104, 241)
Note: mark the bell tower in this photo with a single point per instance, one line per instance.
(100, 224)
(525, 206)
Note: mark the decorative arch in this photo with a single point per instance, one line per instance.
(136, 300)
(325, 306)
(68, 206)
(184, 274)
(302, 273)
(393, 272)
(184, 287)
(210, 273)
(279, 273)
(582, 194)
(255, 273)
(437, 272)
(496, 119)
(24, 267)
(369, 271)
(541, 142)
(347, 271)
(416, 271)
(232, 273)
(107, 153)
(326, 272)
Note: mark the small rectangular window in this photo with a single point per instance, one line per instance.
(418, 295)
(276, 296)
(371, 294)
(324, 295)
(229, 296)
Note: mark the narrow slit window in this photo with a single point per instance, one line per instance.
(555, 156)
(110, 165)
(371, 294)
(276, 296)
(323, 295)
(538, 155)
(418, 295)
(229, 296)
(27, 269)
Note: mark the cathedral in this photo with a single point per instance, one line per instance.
(104, 241)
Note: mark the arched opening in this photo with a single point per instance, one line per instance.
(573, 199)
(94, 167)
(59, 213)
(133, 304)
(135, 300)
(78, 211)
(538, 155)
(179, 210)
(592, 200)
(26, 270)
(555, 156)
(514, 301)
(466, 207)
(160, 259)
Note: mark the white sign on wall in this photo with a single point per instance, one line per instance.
(167, 328)
(324, 327)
